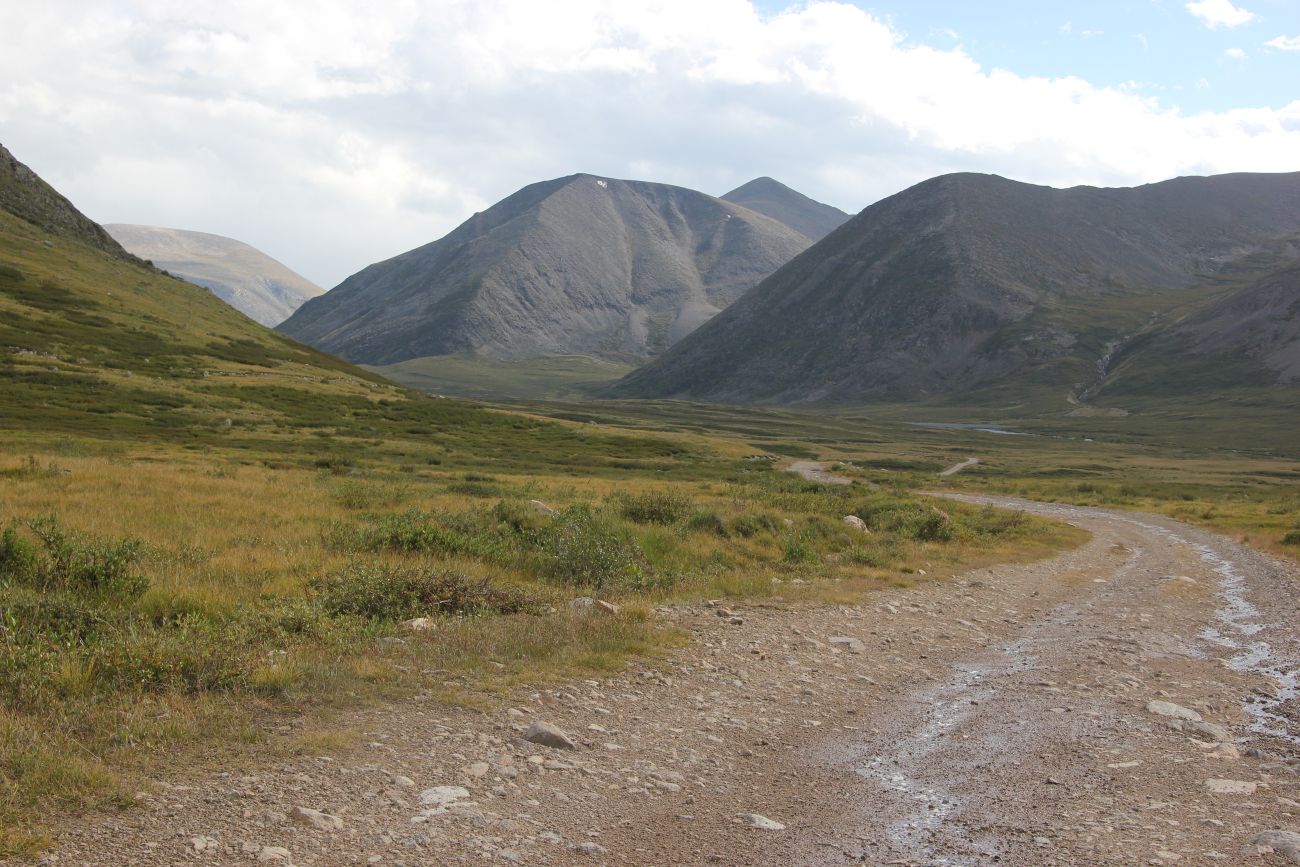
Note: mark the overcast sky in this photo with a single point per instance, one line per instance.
(331, 135)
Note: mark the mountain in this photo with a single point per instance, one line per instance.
(579, 265)
(242, 276)
(101, 353)
(24, 195)
(977, 288)
(774, 199)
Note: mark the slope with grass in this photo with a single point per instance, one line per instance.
(242, 276)
(580, 265)
(976, 290)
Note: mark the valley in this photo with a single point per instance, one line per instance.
(259, 604)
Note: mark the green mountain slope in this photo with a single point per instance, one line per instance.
(581, 265)
(244, 277)
(96, 345)
(979, 290)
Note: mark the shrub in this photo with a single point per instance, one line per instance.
(1291, 538)
(708, 522)
(411, 532)
(381, 592)
(72, 562)
(654, 507)
(584, 548)
(753, 524)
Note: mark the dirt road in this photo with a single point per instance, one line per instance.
(1130, 702)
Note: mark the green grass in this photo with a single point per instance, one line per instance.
(567, 377)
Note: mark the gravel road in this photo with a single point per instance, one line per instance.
(1133, 701)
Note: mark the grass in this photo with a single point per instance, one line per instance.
(567, 377)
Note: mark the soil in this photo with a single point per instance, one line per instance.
(999, 717)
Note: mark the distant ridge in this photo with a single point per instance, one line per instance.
(976, 288)
(776, 200)
(244, 277)
(581, 265)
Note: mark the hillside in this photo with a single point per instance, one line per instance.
(24, 195)
(794, 209)
(242, 276)
(97, 346)
(581, 265)
(978, 289)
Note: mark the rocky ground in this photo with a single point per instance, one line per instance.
(1130, 702)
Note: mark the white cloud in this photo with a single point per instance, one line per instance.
(1235, 54)
(1220, 13)
(351, 135)
(1285, 43)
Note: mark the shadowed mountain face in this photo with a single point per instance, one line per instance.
(973, 284)
(242, 276)
(25, 195)
(776, 200)
(575, 266)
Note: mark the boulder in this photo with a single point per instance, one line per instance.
(1177, 711)
(857, 523)
(547, 735)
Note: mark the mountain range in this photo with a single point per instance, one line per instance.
(581, 265)
(244, 277)
(974, 287)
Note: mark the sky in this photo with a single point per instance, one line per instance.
(337, 133)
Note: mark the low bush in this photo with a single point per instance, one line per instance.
(585, 548)
(1291, 538)
(383, 592)
(66, 560)
(654, 507)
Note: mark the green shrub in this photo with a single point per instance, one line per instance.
(752, 524)
(586, 549)
(1291, 538)
(708, 522)
(382, 592)
(70, 561)
(654, 507)
(411, 532)
(797, 550)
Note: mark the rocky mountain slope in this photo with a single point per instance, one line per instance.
(579, 265)
(794, 209)
(26, 196)
(244, 277)
(977, 288)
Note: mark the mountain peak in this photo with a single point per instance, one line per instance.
(774, 199)
(579, 265)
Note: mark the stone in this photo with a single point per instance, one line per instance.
(418, 624)
(590, 849)
(477, 769)
(315, 819)
(1231, 787)
(441, 796)
(582, 603)
(762, 823)
(1215, 732)
(607, 607)
(1282, 842)
(1177, 711)
(539, 506)
(852, 644)
(547, 735)
(268, 854)
(857, 523)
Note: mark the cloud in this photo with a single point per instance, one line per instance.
(1220, 13)
(348, 136)
(1285, 43)
(1235, 53)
